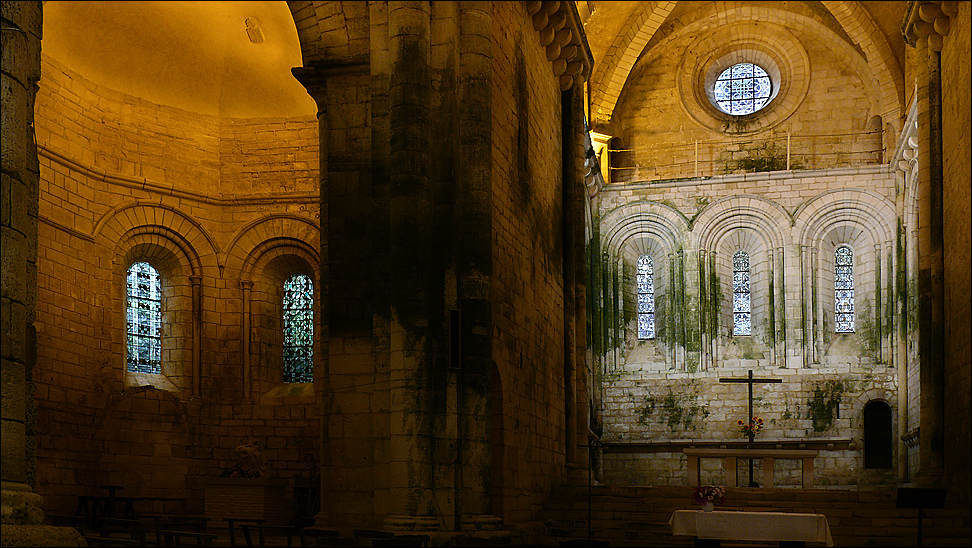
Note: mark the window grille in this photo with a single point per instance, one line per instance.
(844, 289)
(143, 315)
(743, 89)
(646, 299)
(741, 313)
(298, 329)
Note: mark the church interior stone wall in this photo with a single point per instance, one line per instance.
(205, 201)
(693, 191)
(957, 227)
(474, 189)
(816, 126)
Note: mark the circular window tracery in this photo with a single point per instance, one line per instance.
(771, 48)
(743, 88)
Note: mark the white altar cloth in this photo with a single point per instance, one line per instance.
(763, 526)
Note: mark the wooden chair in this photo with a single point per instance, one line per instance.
(180, 527)
(264, 531)
(120, 528)
(232, 522)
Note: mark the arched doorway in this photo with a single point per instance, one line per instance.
(496, 439)
(877, 435)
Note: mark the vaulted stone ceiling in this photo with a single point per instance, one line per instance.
(216, 58)
(201, 56)
(619, 33)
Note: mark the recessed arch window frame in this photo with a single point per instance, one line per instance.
(646, 298)
(844, 289)
(742, 321)
(143, 319)
(298, 329)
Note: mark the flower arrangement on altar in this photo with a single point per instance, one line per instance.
(753, 428)
(708, 496)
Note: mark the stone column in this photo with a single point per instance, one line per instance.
(806, 334)
(900, 328)
(196, 333)
(712, 285)
(474, 205)
(21, 515)
(816, 303)
(247, 286)
(779, 328)
(410, 502)
(931, 261)
(380, 70)
(772, 307)
(315, 82)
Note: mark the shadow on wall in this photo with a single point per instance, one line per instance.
(146, 439)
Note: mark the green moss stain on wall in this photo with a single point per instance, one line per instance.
(867, 329)
(679, 412)
(824, 406)
(762, 156)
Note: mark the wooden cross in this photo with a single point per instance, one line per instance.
(750, 380)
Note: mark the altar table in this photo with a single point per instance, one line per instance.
(752, 526)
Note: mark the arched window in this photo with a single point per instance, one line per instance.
(741, 319)
(844, 289)
(743, 88)
(298, 329)
(877, 435)
(143, 315)
(646, 299)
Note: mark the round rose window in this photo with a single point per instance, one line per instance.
(742, 89)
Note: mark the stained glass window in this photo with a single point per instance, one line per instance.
(844, 289)
(741, 319)
(143, 316)
(646, 299)
(298, 329)
(743, 89)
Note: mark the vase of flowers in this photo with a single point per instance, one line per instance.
(752, 428)
(707, 497)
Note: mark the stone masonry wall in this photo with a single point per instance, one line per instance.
(649, 399)
(823, 100)
(123, 180)
(527, 286)
(957, 174)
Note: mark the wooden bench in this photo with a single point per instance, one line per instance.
(174, 537)
(767, 456)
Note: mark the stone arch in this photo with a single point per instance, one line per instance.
(250, 237)
(865, 221)
(862, 29)
(757, 226)
(197, 244)
(604, 106)
(330, 30)
(661, 221)
(852, 203)
(179, 268)
(877, 422)
(262, 275)
(621, 57)
(658, 230)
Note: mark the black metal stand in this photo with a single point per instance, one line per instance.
(920, 498)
